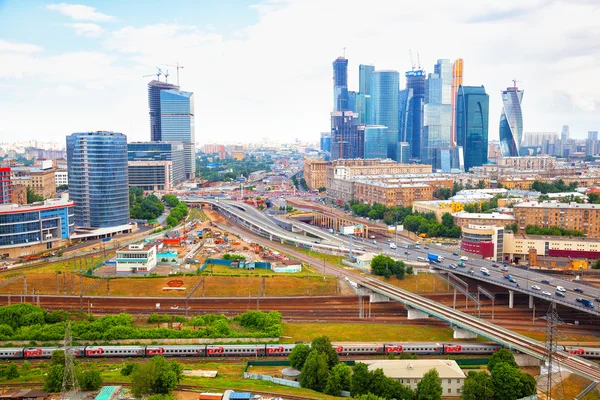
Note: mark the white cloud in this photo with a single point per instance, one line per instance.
(16, 47)
(87, 29)
(80, 12)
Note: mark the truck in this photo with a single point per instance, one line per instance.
(347, 230)
(585, 302)
(434, 257)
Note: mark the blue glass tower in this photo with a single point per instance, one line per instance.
(177, 124)
(326, 141)
(405, 115)
(364, 78)
(347, 137)
(511, 122)
(154, 89)
(340, 84)
(160, 151)
(472, 115)
(98, 182)
(376, 141)
(437, 121)
(415, 80)
(384, 106)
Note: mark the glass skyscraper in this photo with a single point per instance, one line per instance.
(511, 122)
(376, 141)
(177, 124)
(326, 141)
(472, 115)
(415, 80)
(160, 151)
(364, 78)
(384, 106)
(347, 137)
(340, 84)
(154, 89)
(437, 120)
(98, 182)
(405, 115)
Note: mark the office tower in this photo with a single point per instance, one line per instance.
(364, 78)
(376, 144)
(363, 108)
(177, 124)
(592, 135)
(97, 164)
(405, 115)
(437, 119)
(154, 89)
(352, 101)
(511, 122)
(472, 115)
(415, 80)
(443, 68)
(565, 135)
(404, 152)
(384, 106)
(5, 185)
(457, 81)
(326, 141)
(347, 140)
(340, 84)
(160, 151)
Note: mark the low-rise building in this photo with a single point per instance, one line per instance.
(464, 219)
(61, 177)
(516, 183)
(315, 173)
(484, 240)
(410, 373)
(136, 258)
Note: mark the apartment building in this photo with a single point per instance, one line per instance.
(581, 217)
(368, 191)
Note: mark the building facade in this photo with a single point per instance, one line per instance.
(463, 219)
(340, 84)
(177, 124)
(325, 142)
(347, 140)
(511, 122)
(151, 175)
(161, 151)
(98, 179)
(437, 119)
(315, 173)
(33, 228)
(484, 240)
(5, 185)
(61, 177)
(472, 114)
(415, 80)
(580, 217)
(376, 145)
(364, 78)
(154, 105)
(384, 106)
(370, 192)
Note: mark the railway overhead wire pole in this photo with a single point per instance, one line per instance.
(191, 293)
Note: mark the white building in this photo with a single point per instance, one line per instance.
(136, 258)
(410, 373)
(61, 177)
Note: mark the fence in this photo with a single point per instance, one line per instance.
(218, 261)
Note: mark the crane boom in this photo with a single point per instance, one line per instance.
(178, 67)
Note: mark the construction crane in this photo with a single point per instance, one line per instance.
(412, 63)
(166, 74)
(158, 74)
(515, 82)
(178, 68)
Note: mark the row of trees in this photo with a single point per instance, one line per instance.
(552, 231)
(445, 193)
(208, 167)
(89, 379)
(144, 207)
(32, 197)
(487, 206)
(558, 186)
(171, 200)
(427, 224)
(299, 183)
(157, 376)
(504, 382)
(383, 265)
(177, 214)
(389, 215)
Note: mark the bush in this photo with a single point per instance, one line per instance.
(90, 380)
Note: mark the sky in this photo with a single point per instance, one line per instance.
(262, 69)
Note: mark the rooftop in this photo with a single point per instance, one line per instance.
(564, 206)
(397, 369)
(498, 216)
(40, 205)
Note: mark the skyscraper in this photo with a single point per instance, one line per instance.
(592, 135)
(376, 141)
(405, 115)
(340, 84)
(177, 124)
(457, 80)
(565, 135)
(5, 186)
(511, 122)
(160, 151)
(97, 164)
(326, 141)
(437, 120)
(384, 106)
(154, 89)
(362, 107)
(364, 78)
(415, 80)
(472, 115)
(347, 140)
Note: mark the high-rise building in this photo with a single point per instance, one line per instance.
(346, 139)
(340, 84)
(437, 120)
(472, 115)
(404, 155)
(592, 135)
(364, 78)
(154, 89)
(565, 135)
(97, 165)
(415, 80)
(177, 124)
(376, 141)
(160, 151)
(363, 108)
(5, 185)
(326, 141)
(352, 100)
(405, 115)
(384, 106)
(457, 81)
(511, 122)
(443, 68)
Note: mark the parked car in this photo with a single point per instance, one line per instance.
(464, 258)
(495, 265)
(455, 254)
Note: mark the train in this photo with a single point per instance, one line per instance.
(271, 350)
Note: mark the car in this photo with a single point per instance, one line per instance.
(455, 254)
(578, 290)
(374, 241)
(472, 271)
(545, 281)
(597, 299)
(495, 265)
(453, 266)
(503, 269)
(535, 287)
(484, 269)
(560, 294)
(546, 293)
(579, 300)
(464, 258)
(486, 273)
(512, 280)
(406, 252)
(561, 289)
(425, 247)
(420, 259)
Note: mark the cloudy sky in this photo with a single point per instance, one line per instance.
(263, 69)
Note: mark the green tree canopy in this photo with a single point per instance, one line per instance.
(298, 356)
(430, 386)
(478, 386)
(315, 372)
(361, 380)
(507, 382)
(323, 345)
(501, 356)
(90, 380)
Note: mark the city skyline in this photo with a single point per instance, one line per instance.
(85, 71)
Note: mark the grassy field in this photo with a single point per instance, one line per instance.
(339, 332)
(330, 258)
(225, 270)
(567, 337)
(62, 266)
(574, 384)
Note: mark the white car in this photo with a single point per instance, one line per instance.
(561, 289)
(484, 269)
(536, 287)
(546, 293)
(464, 258)
(420, 259)
(393, 246)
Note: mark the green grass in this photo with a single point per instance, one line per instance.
(223, 270)
(330, 258)
(61, 265)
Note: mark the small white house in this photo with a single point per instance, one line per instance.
(136, 258)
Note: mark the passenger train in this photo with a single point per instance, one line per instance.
(270, 350)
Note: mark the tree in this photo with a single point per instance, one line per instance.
(127, 369)
(447, 220)
(62, 187)
(338, 380)
(369, 396)
(323, 345)
(157, 375)
(478, 386)
(11, 371)
(90, 380)
(430, 387)
(501, 356)
(361, 380)
(596, 265)
(528, 385)
(54, 378)
(171, 200)
(298, 356)
(315, 372)
(58, 357)
(507, 381)
(32, 197)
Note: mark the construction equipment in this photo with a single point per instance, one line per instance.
(158, 74)
(178, 67)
